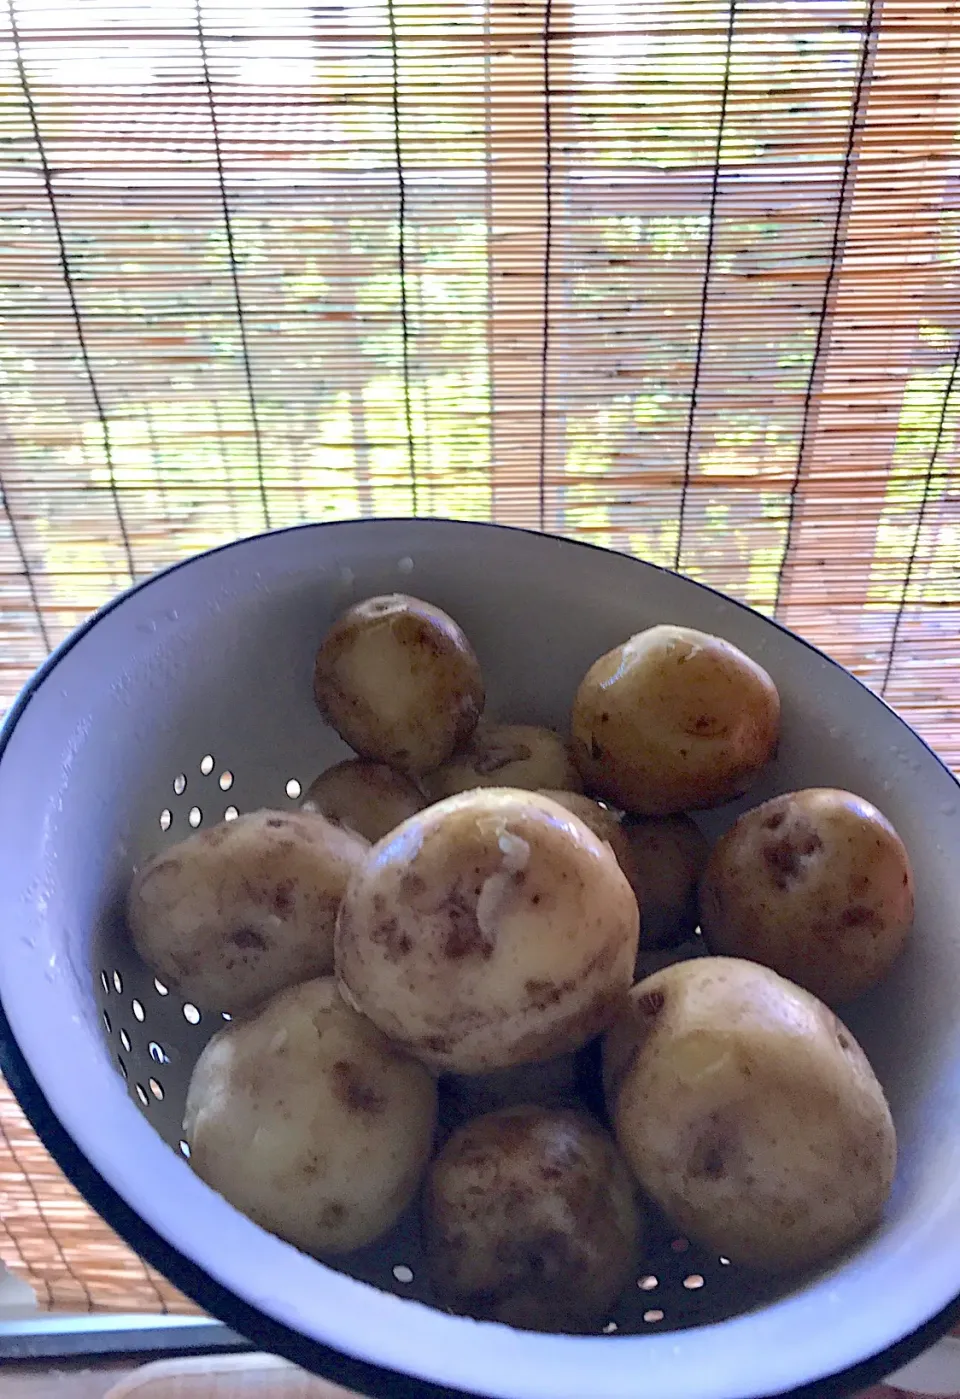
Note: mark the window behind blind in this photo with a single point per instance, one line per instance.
(677, 276)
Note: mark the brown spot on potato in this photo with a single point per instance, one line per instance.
(596, 751)
(353, 1090)
(464, 936)
(276, 823)
(249, 939)
(858, 916)
(774, 822)
(283, 897)
(785, 856)
(333, 1214)
(651, 1003)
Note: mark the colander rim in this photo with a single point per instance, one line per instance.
(255, 1325)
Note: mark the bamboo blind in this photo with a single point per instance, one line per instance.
(678, 276)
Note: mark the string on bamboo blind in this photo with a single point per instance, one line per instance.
(681, 277)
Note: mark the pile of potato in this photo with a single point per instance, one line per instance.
(456, 913)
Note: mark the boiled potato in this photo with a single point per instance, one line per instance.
(749, 1113)
(368, 798)
(490, 930)
(662, 857)
(673, 719)
(530, 1218)
(669, 854)
(311, 1122)
(816, 884)
(399, 681)
(233, 914)
(506, 755)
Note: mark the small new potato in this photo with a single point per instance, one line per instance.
(669, 854)
(663, 858)
(367, 798)
(399, 681)
(310, 1122)
(489, 930)
(507, 755)
(234, 914)
(816, 884)
(531, 1219)
(749, 1113)
(673, 720)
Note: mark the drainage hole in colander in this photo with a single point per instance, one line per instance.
(180, 784)
(106, 1023)
(725, 1261)
(160, 988)
(142, 1094)
(654, 1314)
(293, 789)
(402, 1273)
(105, 983)
(123, 1067)
(185, 1150)
(157, 1053)
(226, 781)
(118, 983)
(195, 816)
(166, 819)
(693, 1282)
(125, 1041)
(206, 765)
(231, 814)
(648, 1283)
(225, 1015)
(191, 1014)
(156, 1089)
(610, 1327)
(138, 1011)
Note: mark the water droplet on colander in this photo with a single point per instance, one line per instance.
(948, 808)
(405, 565)
(346, 576)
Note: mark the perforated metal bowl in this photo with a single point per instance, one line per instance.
(190, 698)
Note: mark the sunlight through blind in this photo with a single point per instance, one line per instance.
(677, 276)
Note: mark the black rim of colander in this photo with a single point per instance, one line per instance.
(220, 1301)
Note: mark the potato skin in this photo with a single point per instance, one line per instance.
(490, 930)
(234, 914)
(530, 1219)
(310, 1122)
(522, 756)
(367, 798)
(662, 857)
(669, 854)
(815, 884)
(673, 720)
(399, 681)
(749, 1113)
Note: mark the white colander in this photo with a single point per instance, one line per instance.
(189, 697)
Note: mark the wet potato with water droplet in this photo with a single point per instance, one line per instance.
(749, 1113)
(311, 1122)
(815, 884)
(491, 929)
(235, 913)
